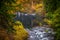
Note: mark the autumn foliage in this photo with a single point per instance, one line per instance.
(20, 32)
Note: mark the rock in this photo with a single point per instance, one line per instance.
(41, 33)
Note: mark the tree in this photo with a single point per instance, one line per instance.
(6, 17)
(52, 8)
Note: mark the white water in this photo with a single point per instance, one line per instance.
(41, 33)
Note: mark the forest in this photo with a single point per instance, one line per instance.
(17, 15)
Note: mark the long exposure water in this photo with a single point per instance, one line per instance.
(41, 33)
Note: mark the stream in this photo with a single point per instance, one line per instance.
(41, 33)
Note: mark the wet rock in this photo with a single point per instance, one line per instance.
(41, 33)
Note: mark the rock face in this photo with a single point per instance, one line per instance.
(41, 33)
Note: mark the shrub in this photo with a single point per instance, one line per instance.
(20, 33)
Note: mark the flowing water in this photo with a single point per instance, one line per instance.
(41, 33)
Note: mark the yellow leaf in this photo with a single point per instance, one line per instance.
(21, 33)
